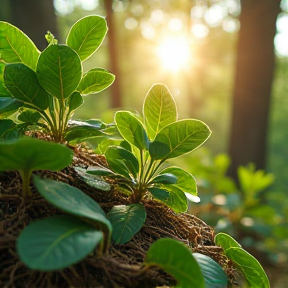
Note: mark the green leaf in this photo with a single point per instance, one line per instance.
(100, 171)
(160, 194)
(165, 178)
(72, 200)
(29, 116)
(33, 154)
(213, 273)
(95, 81)
(126, 221)
(186, 182)
(159, 109)
(9, 130)
(59, 70)
(8, 106)
(251, 268)
(158, 150)
(183, 136)
(93, 180)
(176, 259)
(22, 83)
(56, 242)
(131, 129)
(3, 91)
(122, 161)
(74, 101)
(15, 46)
(176, 200)
(86, 35)
(226, 241)
(81, 131)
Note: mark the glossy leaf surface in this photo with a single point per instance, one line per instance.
(75, 101)
(165, 178)
(214, 275)
(126, 221)
(56, 242)
(33, 154)
(3, 91)
(131, 129)
(159, 109)
(176, 259)
(185, 181)
(183, 136)
(92, 180)
(226, 241)
(59, 70)
(16, 47)
(122, 161)
(72, 200)
(22, 83)
(86, 35)
(100, 171)
(95, 81)
(9, 130)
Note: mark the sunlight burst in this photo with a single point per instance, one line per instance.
(174, 53)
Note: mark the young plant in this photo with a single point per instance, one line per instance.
(47, 87)
(29, 154)
(42, 244)
(137, 162)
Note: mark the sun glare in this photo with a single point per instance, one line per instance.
(174, 54)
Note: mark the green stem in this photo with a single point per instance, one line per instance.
(25, 176)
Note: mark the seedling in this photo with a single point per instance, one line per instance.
(47, 87)
(42, 244)
(136, 163)
(29, 154)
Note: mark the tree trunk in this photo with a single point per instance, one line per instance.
(253, 82)
(116, 100)
(34, 18)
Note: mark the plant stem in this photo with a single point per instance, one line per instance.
(25, 176)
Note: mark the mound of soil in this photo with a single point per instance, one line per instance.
(123, 265)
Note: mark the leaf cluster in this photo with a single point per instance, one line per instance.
(45, 88)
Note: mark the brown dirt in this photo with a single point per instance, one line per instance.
(122, 266)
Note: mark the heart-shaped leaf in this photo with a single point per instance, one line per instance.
(95, 81)
(59, 70)
(126, 221)
(177, 260)
(122, 161)
(22, 83)
(72, 200)
(56, 242)
(86, 35)
(131, 129)
(213, 273)
(159, 109)
(183, 136)
(185, 181)
(12, 42)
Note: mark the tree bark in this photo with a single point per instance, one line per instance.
(253, 82)
(34, 18)
(116, 99)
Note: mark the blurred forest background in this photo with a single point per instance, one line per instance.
(226, 63)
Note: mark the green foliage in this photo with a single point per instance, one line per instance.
(29, 154)
(250, 267)
(42, 244)
(51, 83)
(136, 161)
(177, 260)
